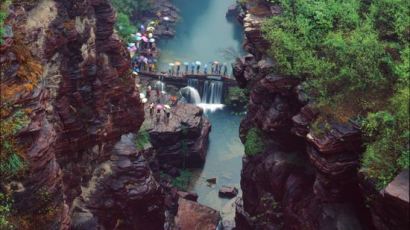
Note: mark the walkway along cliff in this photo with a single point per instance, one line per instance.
(301, 180)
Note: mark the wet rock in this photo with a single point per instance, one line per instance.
(192, 196)
(192, 215)
(184, 139)
(228, 192)
(211, 180)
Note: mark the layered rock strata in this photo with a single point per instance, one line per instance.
(181, 141)
(81, 104)
(303, 179)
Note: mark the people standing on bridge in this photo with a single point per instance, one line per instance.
(225, 69)
(212, 67)
(198, 67)
(192, 67)
(206, 69)
(186, 64)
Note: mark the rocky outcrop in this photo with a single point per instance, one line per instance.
(192, 215)
(80, 104)
(183, 140)
(303, 179)
(126, 187)
(389, 207)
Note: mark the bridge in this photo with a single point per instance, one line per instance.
(183, 78)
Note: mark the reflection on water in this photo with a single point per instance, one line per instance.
(203, 34)
(224, 159)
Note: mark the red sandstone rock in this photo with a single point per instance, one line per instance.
(192, 215)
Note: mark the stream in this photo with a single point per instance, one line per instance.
(205, 34)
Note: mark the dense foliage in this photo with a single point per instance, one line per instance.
(254, 143)
(126, 12)
(354, 58)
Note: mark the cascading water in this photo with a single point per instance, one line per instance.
(193, 83)
(212, 92)
(160, 85)
(191, 94)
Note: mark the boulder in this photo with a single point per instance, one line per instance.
(228, 192)
(192, 196)
(183, 140)
(192, 215)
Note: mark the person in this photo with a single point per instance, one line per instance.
(197, 68)
(192, 68)
(212, 68)
(158, 115)
(186, 67)
(149, 92)
(178, 68)
(225, 69)
(151, 109)
(168, 114)
(205, 69)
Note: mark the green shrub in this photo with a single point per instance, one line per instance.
(142, 140)
(5, 211)
(182, 182)
(387, 136)
(354, 59)
(11, 160)
(254, 143)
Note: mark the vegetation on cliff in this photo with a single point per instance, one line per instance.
(354, 57)
(254, 143)
(126, 12)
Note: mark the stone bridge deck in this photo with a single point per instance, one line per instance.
(183, 78)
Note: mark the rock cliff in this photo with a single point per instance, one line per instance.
(303, 179)
(80, 98)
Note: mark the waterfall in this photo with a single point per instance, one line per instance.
(160, 85)
(212, 92)
(193, 83)
(191, 95)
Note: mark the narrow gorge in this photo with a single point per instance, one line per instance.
(204, 114)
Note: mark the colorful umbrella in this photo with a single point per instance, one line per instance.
(159, 106)
(138, 38)
(132, 49)
(145, 39)
(186, 63)
(177, 63)
(131, 44)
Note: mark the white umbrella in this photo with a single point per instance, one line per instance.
(171, 64)
(144, 100)
(139, 34)
(166, 18)
(198, 62)
(152, 40)
(142, 96)
(150, 28)
(150, 35)
(167, 107)
(131, 44)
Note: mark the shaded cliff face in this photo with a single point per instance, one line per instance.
(303, 180)
(80, 101)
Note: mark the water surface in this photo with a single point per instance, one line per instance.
(203, 34)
